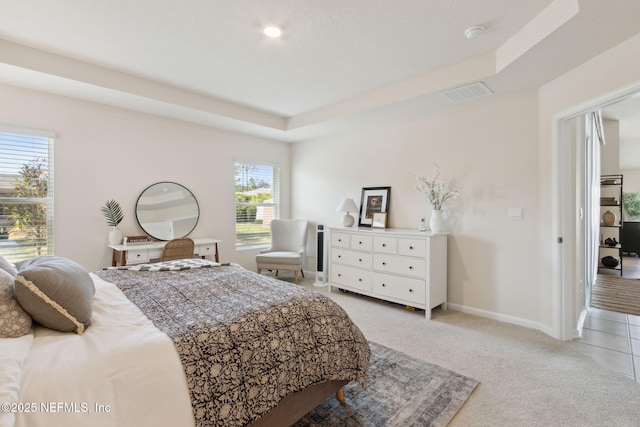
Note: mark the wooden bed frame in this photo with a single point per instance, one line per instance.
(295, 406)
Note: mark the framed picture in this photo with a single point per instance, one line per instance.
(373, 200)
(379, 220)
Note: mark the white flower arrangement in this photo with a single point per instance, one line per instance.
(435, 191)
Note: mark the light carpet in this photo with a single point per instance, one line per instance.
(402, 391)
(616, 294)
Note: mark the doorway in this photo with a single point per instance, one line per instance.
(608, 183)
(621, 156)
(568, 183)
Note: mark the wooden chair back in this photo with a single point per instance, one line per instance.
(181, 248)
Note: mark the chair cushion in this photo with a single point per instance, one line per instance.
(279, 258)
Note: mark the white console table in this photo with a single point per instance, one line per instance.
(403, 266)
(141, 253)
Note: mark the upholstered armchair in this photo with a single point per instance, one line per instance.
(288, 244)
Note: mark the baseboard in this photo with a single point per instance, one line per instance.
(504, 318)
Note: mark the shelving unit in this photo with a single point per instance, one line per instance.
(611, 220)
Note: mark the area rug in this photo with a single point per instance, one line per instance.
(616, 294)
(402, 391)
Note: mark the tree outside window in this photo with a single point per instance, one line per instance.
(257, 202)
(631, 204)
(26, 197)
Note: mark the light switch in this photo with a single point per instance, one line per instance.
(515, 214)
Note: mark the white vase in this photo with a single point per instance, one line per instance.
(115, 236)
(437, 222)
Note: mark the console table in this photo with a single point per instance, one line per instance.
(403, 266)
(141, 253)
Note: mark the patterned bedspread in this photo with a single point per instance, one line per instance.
(246, 340)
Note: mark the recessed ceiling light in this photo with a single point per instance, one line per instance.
(273, 30)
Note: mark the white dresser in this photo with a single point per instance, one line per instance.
(403, 266)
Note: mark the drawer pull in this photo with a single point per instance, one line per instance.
(359, 280)
(360, 242)
(410, 267)
(339, 240)
(384, 285)
(384, 245)
(339, 275)
(411, 247)
(359, 259)
(339, 256)
(410, 290)
(384, 263)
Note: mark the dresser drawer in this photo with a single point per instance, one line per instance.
(404, 288)
(137, 256)
(362, 243)
(383, 244)
(351, 277)
(413, 267)
(203, 250)
(353, 258)
(412, 247)
(340, 240)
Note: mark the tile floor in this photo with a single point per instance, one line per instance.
(613, 339)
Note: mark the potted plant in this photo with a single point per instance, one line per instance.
(113, 213)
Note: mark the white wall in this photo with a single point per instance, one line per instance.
(609, 153)
(106, 153)
(489, 148)
(503, 152)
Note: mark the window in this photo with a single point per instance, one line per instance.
(26, 195)
(631, 204)
(257, 202)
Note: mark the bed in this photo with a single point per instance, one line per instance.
(184, 345)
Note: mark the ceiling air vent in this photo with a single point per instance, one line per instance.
(467, 92)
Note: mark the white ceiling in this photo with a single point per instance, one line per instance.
(340, 63)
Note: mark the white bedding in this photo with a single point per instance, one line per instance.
(122, 371)
(13, 351)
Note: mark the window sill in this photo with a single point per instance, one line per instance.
(252, 247)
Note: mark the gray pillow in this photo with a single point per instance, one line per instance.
(56, 292)
(14, 321)
(8, 267)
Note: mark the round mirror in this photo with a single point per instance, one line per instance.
(167, 210)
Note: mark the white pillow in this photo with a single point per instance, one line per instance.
(13, 352)
(8, 267)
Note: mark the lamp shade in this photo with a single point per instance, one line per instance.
(347, 205)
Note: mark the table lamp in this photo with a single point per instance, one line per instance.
(346, 206)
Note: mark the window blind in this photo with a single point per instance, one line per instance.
(26, 195)
(257, 192)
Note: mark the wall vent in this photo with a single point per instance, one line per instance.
(467, 92)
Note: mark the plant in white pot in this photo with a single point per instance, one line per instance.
(436, 193)
(113, 213)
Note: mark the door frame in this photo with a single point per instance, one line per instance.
(566, 285)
